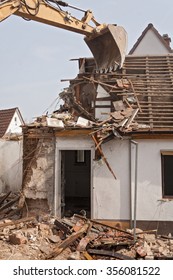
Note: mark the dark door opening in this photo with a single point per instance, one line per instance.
(75, 182)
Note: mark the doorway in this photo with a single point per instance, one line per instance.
(75, 182)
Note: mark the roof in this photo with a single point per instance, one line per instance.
(152, 85)
(139, 99)
(152, 78)
(150, 27)
(6, 116)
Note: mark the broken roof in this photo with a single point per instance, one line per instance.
(164, 40)
(151, 89)
(152, 78)
(144, 86)
(6, 116)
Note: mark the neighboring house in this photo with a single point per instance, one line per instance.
(11, 150)
(151, 43)
(10, 121)
(71, 164)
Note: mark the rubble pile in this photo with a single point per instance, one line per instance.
(78, 238)
(78, 111)
(116, 123)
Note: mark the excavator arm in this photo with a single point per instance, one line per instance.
(106, 42)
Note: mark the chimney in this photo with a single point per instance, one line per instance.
(167, 39)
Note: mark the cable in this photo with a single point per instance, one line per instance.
(57, 98)
(29, 9)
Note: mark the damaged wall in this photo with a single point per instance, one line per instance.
(110, 197)
(10, 165)
(39, 158)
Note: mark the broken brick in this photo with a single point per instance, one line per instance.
(17, 239)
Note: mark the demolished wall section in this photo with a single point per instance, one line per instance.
(39, 160)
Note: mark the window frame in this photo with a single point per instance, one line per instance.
(165, 153)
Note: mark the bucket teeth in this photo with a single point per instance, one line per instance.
(108, 46)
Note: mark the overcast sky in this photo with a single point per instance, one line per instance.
(34, 57)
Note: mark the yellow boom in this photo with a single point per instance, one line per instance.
(107, 42)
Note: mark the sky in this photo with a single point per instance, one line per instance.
(35, 57)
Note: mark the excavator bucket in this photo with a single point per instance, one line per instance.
(108, 47)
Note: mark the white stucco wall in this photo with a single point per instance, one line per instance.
(150, 45)
(15, 123)
(150, 205)
(110, 197)
(102, 113)
(10, 165)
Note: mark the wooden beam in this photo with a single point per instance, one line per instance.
(109, 254)
(73, 132)
(23, 220)
(67, 242)
(102, 154)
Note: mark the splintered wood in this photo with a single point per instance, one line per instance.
(78, 238)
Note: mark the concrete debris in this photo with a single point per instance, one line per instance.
(83, 122)
(82, 239)
(78, 112)
(54, 122)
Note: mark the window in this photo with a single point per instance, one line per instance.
(15, 120)
(167, 173)
(80, 157)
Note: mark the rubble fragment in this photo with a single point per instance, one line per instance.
(83, 238)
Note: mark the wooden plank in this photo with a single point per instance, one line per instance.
(73, 132)
(8, 204)
(102, 154)
(101, 83)
(103, 224)
(16, 222)
(135, 94)
(3, 198)
(62, 227)
(87, 256)
(153, 136)
(155, 117)
(67, 242)
(109, 254)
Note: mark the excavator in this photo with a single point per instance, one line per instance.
(107, 42)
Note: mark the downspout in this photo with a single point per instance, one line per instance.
(136, 185)
(130, 180)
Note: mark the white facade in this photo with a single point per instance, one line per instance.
(150, 203)
(102, 113)
(10, 165)
(150, 45)
(114, 199)
(14, 126)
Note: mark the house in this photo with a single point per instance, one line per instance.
(11, 150)
(10, 121)
(151, 43)
(108, 149)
